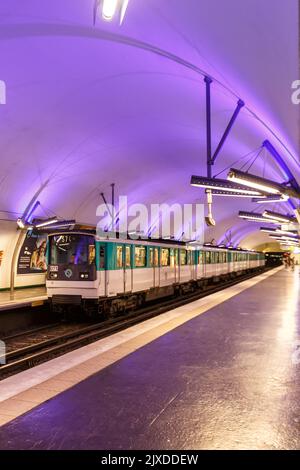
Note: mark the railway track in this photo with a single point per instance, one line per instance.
(61, 339)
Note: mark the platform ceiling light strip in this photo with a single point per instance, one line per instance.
(63, 223)
(279, 217)
(216, 192)
(256, 217)
(222, 185)
(253, 181)
(290, 239)
(46, 223)
(271, 199)
(277, 231)
(112, 7)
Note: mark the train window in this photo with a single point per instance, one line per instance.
(183, 257)
(128, 257)
(189, 257)
(151, 257)
(140, 256)
(200, 257)
(176, 257)
(120, 256)
(156, 257)
(165, 257)
(92, 253)
(208, 257)
(172, 258)
(102, 257)
(72, 250)
(217, 257)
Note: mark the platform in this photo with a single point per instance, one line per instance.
(219, 373)
(22, 298)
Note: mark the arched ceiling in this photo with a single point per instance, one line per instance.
(91, 105)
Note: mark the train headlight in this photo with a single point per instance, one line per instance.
(84, 275)
(53, 275)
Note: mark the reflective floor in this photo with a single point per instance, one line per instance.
(228, 379)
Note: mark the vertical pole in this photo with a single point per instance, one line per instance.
(13, 266)
(113, 204)
(208, 82)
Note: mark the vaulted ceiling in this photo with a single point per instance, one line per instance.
(91, 105)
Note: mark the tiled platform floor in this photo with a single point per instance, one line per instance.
(226, 379)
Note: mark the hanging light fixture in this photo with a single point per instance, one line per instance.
(222, 185)
(216, 192)
(279, 217)
(45, 223)
(110, 9)
(271, 199)
(255, 217)
(253, 181)
(261, 184)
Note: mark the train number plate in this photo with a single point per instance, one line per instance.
(53, 269)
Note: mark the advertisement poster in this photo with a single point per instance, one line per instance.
(32, 258)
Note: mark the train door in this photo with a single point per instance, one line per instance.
(102, 269)
(176, 265)
(127, 263)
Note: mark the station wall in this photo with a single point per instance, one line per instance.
(8, 239)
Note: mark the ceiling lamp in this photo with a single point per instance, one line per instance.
(62, 223)
(262, 184)
(222, 185)
(217, 192)
(279, 217)
(111, 8)
(45, 223)
(271, 199)
(278, 231)
(254, 216)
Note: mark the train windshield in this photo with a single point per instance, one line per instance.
(72, 250)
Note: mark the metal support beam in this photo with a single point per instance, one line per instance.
(240, 105)
(278, 158)
(208, 82)
(113, 205)
(107, 206)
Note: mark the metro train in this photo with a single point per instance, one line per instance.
(109, 276)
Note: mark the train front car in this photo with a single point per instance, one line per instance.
(72, 273)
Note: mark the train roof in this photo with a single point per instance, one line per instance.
(89, 230)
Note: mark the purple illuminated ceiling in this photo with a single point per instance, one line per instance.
(88, 106)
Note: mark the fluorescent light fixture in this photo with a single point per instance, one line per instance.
(63, 223)
(222, 185)
(262, 184)
(271, 199)
(253, 181)
(20, 224)
(45, 223)
(110, 8)
(256, 217)
(216, 192)
(285, 238)
(268, 229)
(279, 217)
